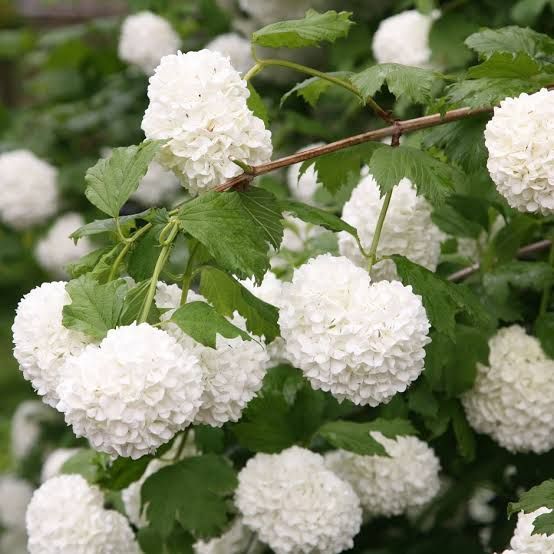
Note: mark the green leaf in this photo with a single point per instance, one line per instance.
(122, 472)
(112, 180)
(100, 226)
(200, 321)
(507, 241)
(541, 496)
(544, 524)
(256, 104)
(194, 492)
(411, 83)
(511, 39)
(310, 31)
(227, 295)
(94, 308)
(89, 261)
(286, 411)
(355, 437)
(133, 302)
(433, 179)
(465, 437)
(311, 89)
(209, 440)
(442, 299)
(506, 65)
(544, 329)
(142, 259)
(422, 400)
(236, 228)
(87, 463)
(178, 542)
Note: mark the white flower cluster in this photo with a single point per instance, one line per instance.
(303, 187)
(360, 341)
(511, 399)
(296, 505)
(145, 39)
(52, 466)
(133, 392)
(234, 47)
(15, 495)
(390, 486)
(56, 250)
(237, 540)
(28, 189)
(42, 343)
(404, 39)
(520, 142)
(233, 372)
(67, 516)
(408, 229)
(524, 542)
(25, 427)
(207, 123)
(158, 186)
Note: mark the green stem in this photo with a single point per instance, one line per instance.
(182, 445)
(187, 277)
(162, 259)
(372, 256)
(545, 298)
(254, 70)
(128, 243)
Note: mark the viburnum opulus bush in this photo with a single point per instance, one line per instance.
(279, 298)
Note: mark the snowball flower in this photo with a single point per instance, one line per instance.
(198, 106)
(236, 540)
(157, 186)
(511, 399)
(272, 11)
(358, 340)
(28, 189)
(303, 187)
(234, 47)
(478, 506)
(524, 542)
(56, 250)
(25, 428)
(520, 141)
(296, 505)
(408, 229)
(233, 371)
(404, 38)
(55, 461)
(133, 392)
(67, 516)
(41, 342)
(145, 39)
(15, 495)
(390, 486)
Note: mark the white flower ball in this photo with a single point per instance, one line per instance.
(479, 508)
(56, 250)
(15, 495)
(511, 400)
(28, 189)
(524, 542)
(25, 427)
(67, 516)
(303, 187)
(360, 341)
(157, 186)
(404, 39)
(145, 39)
(275, 10)
(520, 141)
(390, 486)
(233, 371)
(234, 47)
(206, 122)
(296, 505)
(133, 392)
(55, 461)
(237, 540)
(408, 229)
(42, 343)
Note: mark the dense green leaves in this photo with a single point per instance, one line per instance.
(544, 329)
(142, 260)
(236, 228)
(94, 308)
(227, 295)
(411, 83)
(310, 31)
(133, 303)
(112, 180)
(193, 492)
(389, 165)
(443, 300)
(356, 437)
(203, 323)
(541, 496)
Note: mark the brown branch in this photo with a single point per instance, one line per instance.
(521, 253)
(401, 127)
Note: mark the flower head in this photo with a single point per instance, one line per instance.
(524, 541)
(234, 47)
(28, 189)
(207, 123)
(55, 461)
(296, 505)
(236, 540)
(520, 142)
(158, 186)
(358, 340)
